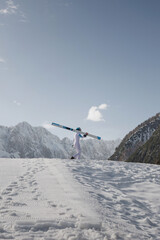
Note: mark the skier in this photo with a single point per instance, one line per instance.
(76, 143)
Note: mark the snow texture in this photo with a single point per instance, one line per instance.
(55, 199)
(25, 141)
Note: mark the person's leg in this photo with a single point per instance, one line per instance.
(77, 155)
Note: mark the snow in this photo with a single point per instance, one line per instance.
(55, 199)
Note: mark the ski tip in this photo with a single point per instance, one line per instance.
(55, 124)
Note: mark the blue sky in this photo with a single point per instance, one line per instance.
(88, 63)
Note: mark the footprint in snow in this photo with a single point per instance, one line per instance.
(51, 204)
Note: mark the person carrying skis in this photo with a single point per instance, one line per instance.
(76, 143)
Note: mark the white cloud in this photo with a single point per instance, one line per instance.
(94, 113)
(23, 17)
(17, 103)
(10, 8)
(4, 11)
(103, 106)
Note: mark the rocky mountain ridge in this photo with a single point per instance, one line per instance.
(136, 138)
(149, 152)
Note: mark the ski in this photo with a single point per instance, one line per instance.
(74, 130)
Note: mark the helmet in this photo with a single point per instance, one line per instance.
(78, 129)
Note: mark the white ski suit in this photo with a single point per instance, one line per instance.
(76, 144)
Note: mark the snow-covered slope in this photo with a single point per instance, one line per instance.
(136, 138)
(25, 141)
(55, 199)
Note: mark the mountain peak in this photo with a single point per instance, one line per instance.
(23, 125)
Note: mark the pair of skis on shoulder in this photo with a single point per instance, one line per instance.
(74, 130)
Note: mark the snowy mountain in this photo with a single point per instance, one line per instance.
(25, 141)
(136, 138)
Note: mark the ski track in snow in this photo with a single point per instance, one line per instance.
(55, 199)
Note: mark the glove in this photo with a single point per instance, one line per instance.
(85, 135)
